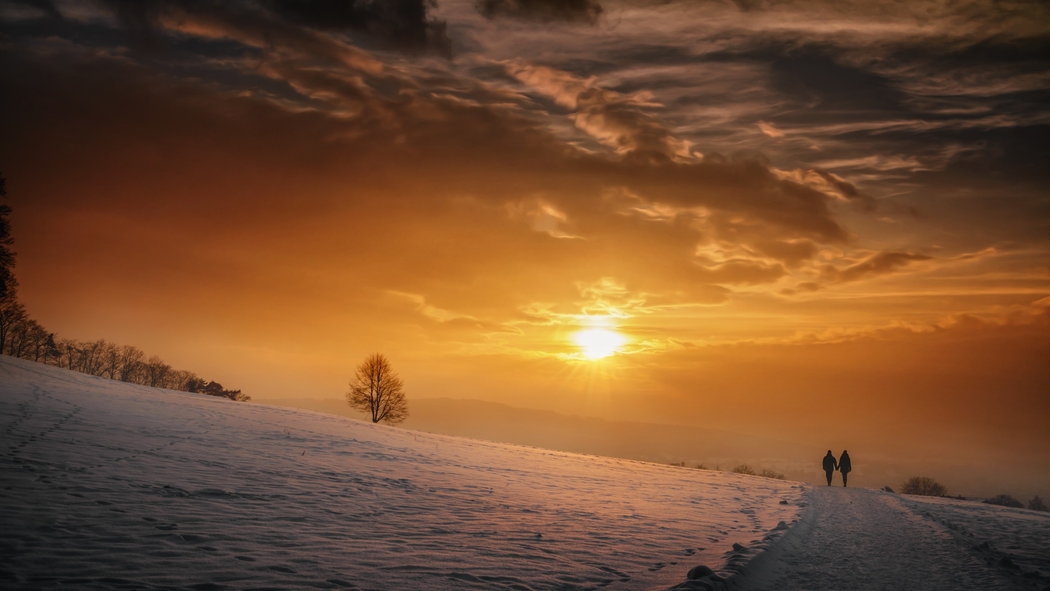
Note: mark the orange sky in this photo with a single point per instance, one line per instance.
(819, 221)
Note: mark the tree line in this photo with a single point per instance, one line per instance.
(23, 337)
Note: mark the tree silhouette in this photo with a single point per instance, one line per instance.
(923, 485)
(7, 256)
(376, 389)
(23, 337)
(1005, 501)
(12, 317)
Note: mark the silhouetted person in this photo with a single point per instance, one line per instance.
(844, 466)
(830, 465)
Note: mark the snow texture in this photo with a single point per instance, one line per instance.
(106, 485)
(871, 540)
(1015, 540)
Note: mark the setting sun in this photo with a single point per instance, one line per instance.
(598, 342)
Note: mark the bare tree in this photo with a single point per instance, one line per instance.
(1005, 501)
(923, 485)
(12, 315)
(181, 379)
(155, 372)
(68, 354)
(130, 363)
(20, 338)
(110, 361)
(1037, 504)
(376, 389)
(51, 350)
(92, 357)
(8, 283)
(39, 343)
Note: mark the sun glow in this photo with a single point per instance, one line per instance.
(598, 342)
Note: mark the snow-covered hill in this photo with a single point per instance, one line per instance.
(110, 485)
(106, 485)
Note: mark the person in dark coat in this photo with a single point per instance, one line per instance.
(844, 466)
(830, 465)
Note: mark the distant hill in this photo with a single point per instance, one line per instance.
(660, 443)
(547, 429)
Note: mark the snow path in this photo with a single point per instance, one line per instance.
(105, 485)
(867, 540)
(1016, 540)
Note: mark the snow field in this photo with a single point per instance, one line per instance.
(1017, 541)
(107, 485)
(865, 539)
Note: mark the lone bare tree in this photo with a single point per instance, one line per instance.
(925, 486)
(376, 389)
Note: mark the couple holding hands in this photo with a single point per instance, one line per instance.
(842, 465)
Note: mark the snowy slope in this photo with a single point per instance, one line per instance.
(1017, 541)
(110, 485)
(872, 540)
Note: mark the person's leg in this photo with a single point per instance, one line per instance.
(830, 474)
(844, 478)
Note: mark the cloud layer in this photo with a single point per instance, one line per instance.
(464, 185)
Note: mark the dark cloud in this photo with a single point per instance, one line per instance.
(559, 136)
(816, 76)
(139, 18)
(401, 24)
(166, 137)
(543, 10)
(46, 6)
(739, 186)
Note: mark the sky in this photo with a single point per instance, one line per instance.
(821, 221)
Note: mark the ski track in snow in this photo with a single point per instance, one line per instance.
(105, 485)
(1017, 541)
(873, 540)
